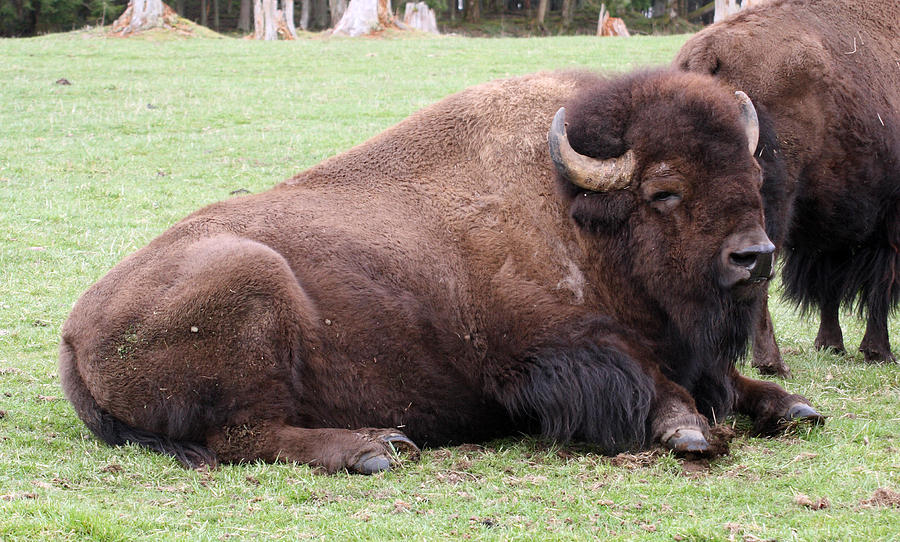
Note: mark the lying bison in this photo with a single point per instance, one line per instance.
(444, 278)
(827, 72)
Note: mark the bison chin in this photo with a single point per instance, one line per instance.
(706, 337)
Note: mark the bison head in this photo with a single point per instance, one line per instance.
(658, 168)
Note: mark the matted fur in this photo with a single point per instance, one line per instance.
(440, 279)
(827, 73)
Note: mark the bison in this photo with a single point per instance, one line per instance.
(453, 279)
(825, 75)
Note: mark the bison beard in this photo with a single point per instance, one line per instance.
(452, 278)
(830, 149)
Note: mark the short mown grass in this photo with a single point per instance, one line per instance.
(150, 130)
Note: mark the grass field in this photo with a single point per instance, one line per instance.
(150, 130)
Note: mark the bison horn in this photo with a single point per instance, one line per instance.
(584, 171)
(751, 121)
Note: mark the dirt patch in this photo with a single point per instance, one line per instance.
(813, 504)
(882, 497)
(637, 460)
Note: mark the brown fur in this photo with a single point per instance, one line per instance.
(827, 73)
(432, 280)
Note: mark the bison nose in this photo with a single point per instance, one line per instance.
(747, 257)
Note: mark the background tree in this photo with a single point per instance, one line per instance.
(337, 9)
(143, 15)
(473, 11)
(364, 17)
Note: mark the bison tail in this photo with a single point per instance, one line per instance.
(114, 431)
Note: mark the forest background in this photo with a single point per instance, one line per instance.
(22, 18)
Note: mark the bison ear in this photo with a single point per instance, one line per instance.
(602, 212)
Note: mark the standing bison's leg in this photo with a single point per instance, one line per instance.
(880, 292)
(770, 405)
(876, 346)
(830, 336)
(766, 355)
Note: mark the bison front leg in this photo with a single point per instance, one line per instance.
(674, 420)
(770, 405)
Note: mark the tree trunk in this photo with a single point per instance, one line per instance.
(143, 15)
(321, 14)
(365, 16)
(473, 11)
(566, 14)
(216, 15)
(244, 17)
(179, 7)
(542, 13)
(288, 9)
(304, 15)
(337, 9)
(270, 31)
(258, 20)
(204, 7)
(421, 17)
(725, 8)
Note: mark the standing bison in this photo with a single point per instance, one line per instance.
(447, 279)
(827, 75)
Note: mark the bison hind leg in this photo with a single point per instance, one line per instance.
(586, 392)
(364, 451)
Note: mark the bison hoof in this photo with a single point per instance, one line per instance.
(685, 441)
(399, 442)
(801, 412)
(781, 369)
(392, 444)
(372, 463)
(873, 355)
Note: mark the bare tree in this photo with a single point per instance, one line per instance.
(142, 15)
(304, 15)
(542, 13)
(473, 11)
(421, 17)
(364, 17)
(337, 9)
(724, 8)
(269, 22)
(567, 9)
(244, 17)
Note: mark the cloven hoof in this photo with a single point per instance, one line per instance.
(684, 440)
(801, 412)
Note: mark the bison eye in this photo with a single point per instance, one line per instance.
(665, 192)
(664, 200)
(663, 195)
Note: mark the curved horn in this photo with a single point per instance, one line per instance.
(751, 121)
(584, 171)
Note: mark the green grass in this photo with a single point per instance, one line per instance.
(150, 130)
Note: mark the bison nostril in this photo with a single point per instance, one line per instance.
(744, 259)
